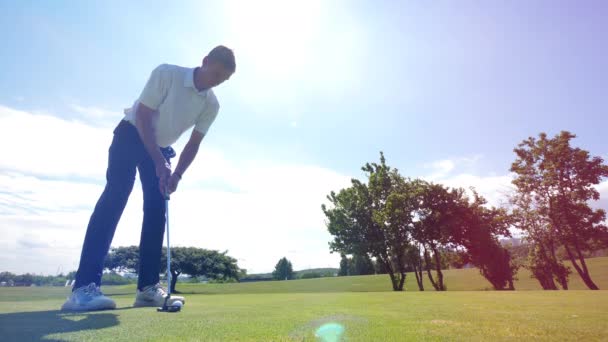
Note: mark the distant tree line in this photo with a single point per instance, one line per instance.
(29, 279)
(401, 225)
(284, 271)
(214, 266)
(194, 262)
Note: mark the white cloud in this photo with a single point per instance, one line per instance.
(97, 116)
(46, 145)
(449, 172)
(259, 210)
(494, 188)
(602, 203)
(442, 168)
(602, 187)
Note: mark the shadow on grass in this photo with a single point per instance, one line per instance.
(36, 325)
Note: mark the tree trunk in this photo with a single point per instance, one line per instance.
(418, 273)
(395, 281)
(174, 276)
(427, 261)
(438, 268)
(547, 283)
(584, 273)
(391, 273)
(582, 259)
(545, 277)
(561, 278)
(420, 284)
(401, 281)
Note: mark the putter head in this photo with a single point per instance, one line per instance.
(168, 308)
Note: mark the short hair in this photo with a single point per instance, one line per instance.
(223, 55)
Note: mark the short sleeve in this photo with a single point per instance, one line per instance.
(207, 118)
(156, 88)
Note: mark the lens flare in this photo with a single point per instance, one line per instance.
(330, 332)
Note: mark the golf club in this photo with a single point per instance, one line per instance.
(165, 307)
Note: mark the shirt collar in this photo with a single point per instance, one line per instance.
(189, 82)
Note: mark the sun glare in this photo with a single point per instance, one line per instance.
(276, 36)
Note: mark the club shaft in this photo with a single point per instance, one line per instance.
(168, 248)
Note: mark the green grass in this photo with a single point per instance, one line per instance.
(294, 310)
(456, 280)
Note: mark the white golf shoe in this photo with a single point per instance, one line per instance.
(154, 295)
(88, 298)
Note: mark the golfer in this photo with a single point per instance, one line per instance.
(173, 100)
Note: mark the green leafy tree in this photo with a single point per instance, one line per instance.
(343, 271)
(479, 231)
(542, 260)
(560, 181)
(363, 265)
(415, 261)
(7, 277)
(449, 219)
(123, 259)
(196, 262)
(283, 270)
(437, 212)
(26, 279)
(363, 220)
(405, 225)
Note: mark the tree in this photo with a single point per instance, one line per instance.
(401, 222)
(363, 220)
(415, 261)
(559, 180)
(363, 264)
(197, 262)
(123, 259)
(436, 213)
(7, 277)
(478, 233)
(24, 279)
(283, 270)
(448, 219)
(192, 261)
(542, 260)
(343, 266)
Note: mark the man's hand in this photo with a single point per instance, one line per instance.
(185, 159)
(173, 182)
(163, 172)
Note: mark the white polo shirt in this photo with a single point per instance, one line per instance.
(171, 92)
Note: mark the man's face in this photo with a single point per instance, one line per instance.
(214, 74)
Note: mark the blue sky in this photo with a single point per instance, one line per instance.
(445, 89)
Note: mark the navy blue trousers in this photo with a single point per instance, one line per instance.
(126, 154)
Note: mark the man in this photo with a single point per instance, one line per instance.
(174, 100)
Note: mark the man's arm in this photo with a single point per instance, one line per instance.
(185, 159)
(145, 118)
(189, 152)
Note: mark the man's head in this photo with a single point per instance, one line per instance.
(217, 67)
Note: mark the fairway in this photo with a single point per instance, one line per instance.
(371, 316)
(294, 310)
